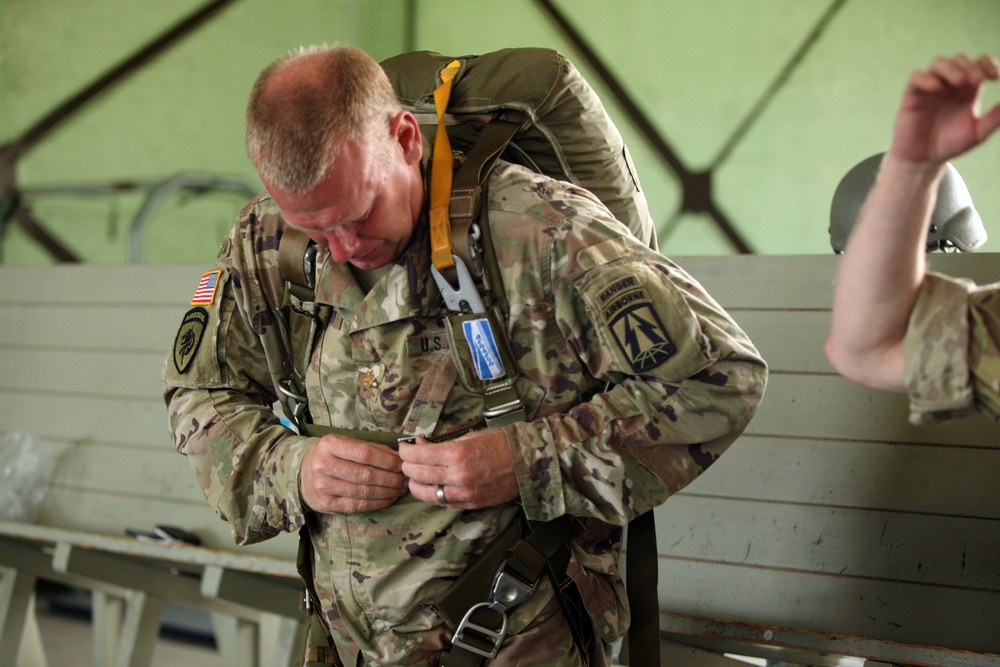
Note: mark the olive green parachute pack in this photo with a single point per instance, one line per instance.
(532, 107)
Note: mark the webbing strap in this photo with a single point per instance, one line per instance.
(641, 583)
(544, 548)
(467, 191)
(441, 175)
(291, 251)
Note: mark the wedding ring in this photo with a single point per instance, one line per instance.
(440, 495)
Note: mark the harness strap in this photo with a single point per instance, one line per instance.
(293, 258)
(441, 174)
(641, 586)
(466, 194)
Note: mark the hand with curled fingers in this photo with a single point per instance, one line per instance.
(939, 116)
(472, 471)
(341, 474)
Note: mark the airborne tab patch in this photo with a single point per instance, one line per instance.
(629, 314)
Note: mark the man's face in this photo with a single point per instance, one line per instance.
(364, 210)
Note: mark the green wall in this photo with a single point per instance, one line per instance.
(777, 98)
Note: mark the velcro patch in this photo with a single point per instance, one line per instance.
(189, 337)
(204, 294)
(630, 316)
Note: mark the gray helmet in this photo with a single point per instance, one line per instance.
(955, 224)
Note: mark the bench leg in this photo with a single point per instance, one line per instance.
(125, 628)
(32, 653)
(282, 640)
(16, 602)
(236, 639)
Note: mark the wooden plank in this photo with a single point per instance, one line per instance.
(79, 327)
(751, 281)
(132, 472)
(86, 418)
(779, 282)
(107, 373)
(942, 480)
(790, 645)
(277, 596)
(782, 282)
(888, 546)
(819, 406)
(110, 514)
(133, 284)
(916, 614)
(41, 538)
(791, 342)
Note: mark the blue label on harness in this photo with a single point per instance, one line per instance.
(485, 354)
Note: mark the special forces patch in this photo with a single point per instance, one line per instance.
(189, 337)
(629, 314)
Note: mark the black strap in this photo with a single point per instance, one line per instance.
(641, 583)
(543, 551)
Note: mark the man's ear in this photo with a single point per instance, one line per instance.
(406, 131)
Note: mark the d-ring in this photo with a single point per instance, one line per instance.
(440, 495)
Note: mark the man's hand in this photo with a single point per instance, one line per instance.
(939, 116)
(475, 470)
(340, 474)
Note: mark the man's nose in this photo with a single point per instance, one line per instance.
(343, 243)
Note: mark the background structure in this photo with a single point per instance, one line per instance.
(754, 109)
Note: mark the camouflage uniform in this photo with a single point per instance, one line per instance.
(952, 350)
(635, 380)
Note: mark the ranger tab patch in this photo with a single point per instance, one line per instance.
(204, 295)
(629, 314)
(189, 337)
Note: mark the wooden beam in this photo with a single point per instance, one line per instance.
(249, 590)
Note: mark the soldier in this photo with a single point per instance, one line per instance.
(633, 379)
(896, 326)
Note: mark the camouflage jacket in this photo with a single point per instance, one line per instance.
(635, 381)
(952, 350)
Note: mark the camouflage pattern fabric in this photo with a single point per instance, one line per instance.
(634, 378)
(952, 350)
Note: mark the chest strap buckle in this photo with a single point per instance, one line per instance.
(508, 592)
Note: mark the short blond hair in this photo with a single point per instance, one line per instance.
(306, 104)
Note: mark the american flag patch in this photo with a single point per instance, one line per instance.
(205, 294)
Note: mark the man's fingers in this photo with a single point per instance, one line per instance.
(359, 451)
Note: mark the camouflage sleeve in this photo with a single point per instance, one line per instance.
(219, 398)
(683, 380)
(952, 359)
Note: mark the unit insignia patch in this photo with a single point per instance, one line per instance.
(189, 337)
(632, 319)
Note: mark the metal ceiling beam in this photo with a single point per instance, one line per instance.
(12, 151)
(696, 186)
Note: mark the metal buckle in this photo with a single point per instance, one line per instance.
(508, 591)
(495, 637)
(466, 298)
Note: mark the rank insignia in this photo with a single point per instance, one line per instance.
(629, 314)
(204, 295)
(189, 337)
